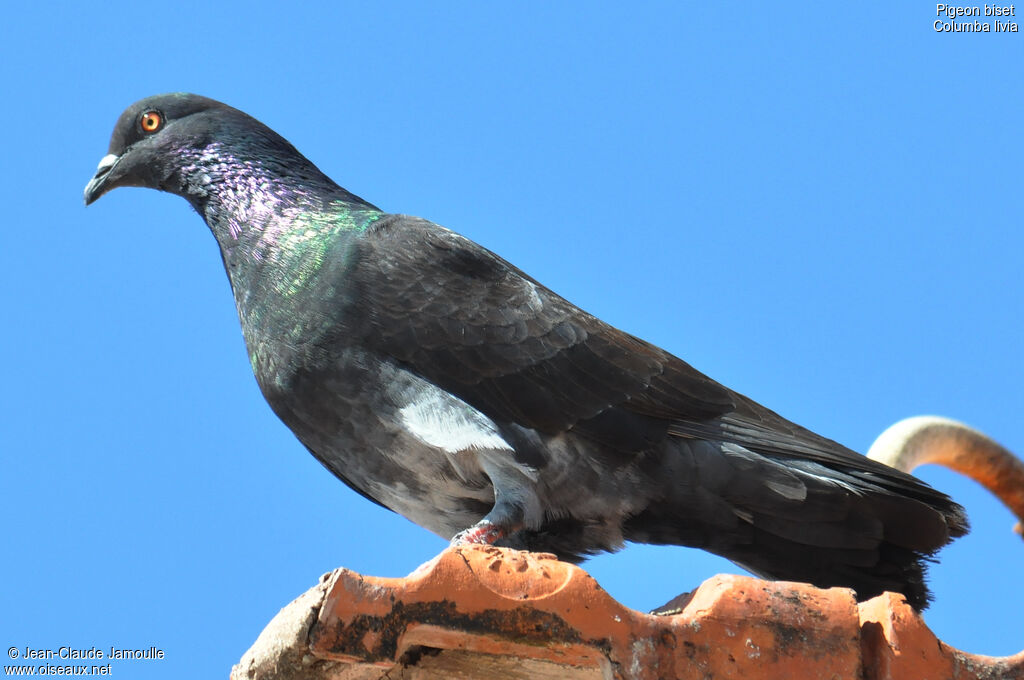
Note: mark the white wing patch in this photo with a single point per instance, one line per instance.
(444, 422)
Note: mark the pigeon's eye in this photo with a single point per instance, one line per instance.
(151, 121)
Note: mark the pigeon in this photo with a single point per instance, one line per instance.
(442, 382)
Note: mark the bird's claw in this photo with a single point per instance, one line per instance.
(481, 533)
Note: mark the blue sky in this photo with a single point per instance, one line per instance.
(820, 208)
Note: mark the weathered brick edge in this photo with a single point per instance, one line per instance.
(529, 615)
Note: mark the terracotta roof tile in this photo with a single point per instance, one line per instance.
(486, 612)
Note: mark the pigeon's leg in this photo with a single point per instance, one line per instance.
(512, 501)
(502, 521)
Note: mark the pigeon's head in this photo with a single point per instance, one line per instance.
(147, 145)
(195, 146)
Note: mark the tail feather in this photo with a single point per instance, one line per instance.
(805, 521)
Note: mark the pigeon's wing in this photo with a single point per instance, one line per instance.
(478, 327)
(759, 429)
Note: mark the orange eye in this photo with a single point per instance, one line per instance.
(151, 121)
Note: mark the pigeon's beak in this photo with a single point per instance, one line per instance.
(97, 186)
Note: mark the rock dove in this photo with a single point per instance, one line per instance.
(442, 382)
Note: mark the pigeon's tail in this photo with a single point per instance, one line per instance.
(799, 520)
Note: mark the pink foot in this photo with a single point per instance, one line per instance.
(481, 533)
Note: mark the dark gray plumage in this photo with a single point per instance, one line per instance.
(442, 382)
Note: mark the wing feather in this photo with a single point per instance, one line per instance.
(477, 326)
